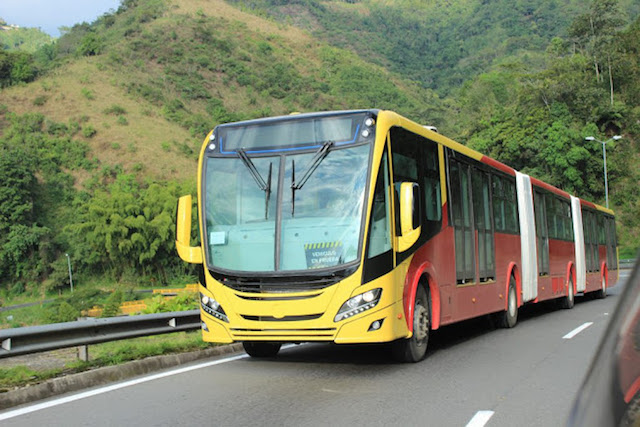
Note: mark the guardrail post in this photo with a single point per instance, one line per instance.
(83, 353)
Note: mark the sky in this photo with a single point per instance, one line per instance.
(49, 15)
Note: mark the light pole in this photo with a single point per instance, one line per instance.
(70, 276)
(604, 159)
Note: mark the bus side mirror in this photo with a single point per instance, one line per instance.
(409, 201)
(188, 253)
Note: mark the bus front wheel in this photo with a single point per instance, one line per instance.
(261, 349)
(414, 349)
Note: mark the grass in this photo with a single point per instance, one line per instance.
(20, 317)
(106, 354)
(19, 376)
(70, 101)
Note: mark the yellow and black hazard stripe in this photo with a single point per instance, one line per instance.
(323, 245)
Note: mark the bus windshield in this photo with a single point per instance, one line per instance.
(320, 221)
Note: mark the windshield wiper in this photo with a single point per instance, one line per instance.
(315, 162)
(264, 186)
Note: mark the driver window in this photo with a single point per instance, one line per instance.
(380, 226)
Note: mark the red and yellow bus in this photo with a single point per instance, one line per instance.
(365, 227)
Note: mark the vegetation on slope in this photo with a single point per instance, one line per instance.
(135, 92)
(440, 44)
(537, 121)
(24, 39)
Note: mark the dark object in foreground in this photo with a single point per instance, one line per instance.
(610, 394)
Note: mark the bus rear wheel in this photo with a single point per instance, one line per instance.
(568, 300)
(414, 349)
(509, 317)
(261, 349)
(602, 292)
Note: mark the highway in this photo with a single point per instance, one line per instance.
(474, 375)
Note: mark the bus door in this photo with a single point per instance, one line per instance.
(542, 233)
(612, 255)
(483, 224)
(462, 215)
(590, 241)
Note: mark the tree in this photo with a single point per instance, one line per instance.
(16, 67)
(128, 227)
(19, 235)
(595, 32)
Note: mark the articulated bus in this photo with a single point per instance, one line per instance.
(365, 227)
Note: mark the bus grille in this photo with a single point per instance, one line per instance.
(283, 319)
(278, 298)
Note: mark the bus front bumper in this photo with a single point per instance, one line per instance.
(375, 326)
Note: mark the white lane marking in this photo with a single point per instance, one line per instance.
(577, 330)
(480, 419)
(90, 393)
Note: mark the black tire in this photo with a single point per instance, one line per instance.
(602, 292)
(414, 349)
(261, 349)
(509, 318)
(568, 300)
(631, 416)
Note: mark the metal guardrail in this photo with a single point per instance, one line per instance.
(34, 339)
(626, 263)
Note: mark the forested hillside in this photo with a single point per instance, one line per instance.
(100, 129)
(26, 39)
(441, 43)
(104, 135)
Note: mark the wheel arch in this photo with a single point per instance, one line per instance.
(514, 271)
(571, 273)
(422, 276)
(604, 273)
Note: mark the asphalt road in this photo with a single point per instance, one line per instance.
(473, 375)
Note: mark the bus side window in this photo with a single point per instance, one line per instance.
(498, 203)
(511, 206)
(431, 187)
(601, 230)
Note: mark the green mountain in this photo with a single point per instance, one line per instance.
(439, 43)
(101, 128)
(110, 122)
(25, 39)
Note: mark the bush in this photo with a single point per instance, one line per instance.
(183, 301)
(84, 299)
(88, 94)
(90, 45)
(116, 110)
(88, 131)
(112, 305)
(40, 100)
(61, 312)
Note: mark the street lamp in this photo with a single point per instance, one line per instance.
(70, 276)
(604, 158)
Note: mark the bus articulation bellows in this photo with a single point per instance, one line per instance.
(365, 227)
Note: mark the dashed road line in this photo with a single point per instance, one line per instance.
(577, 330)
(480, 419)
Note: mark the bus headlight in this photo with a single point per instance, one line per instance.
(358, 304)
(212, 307)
